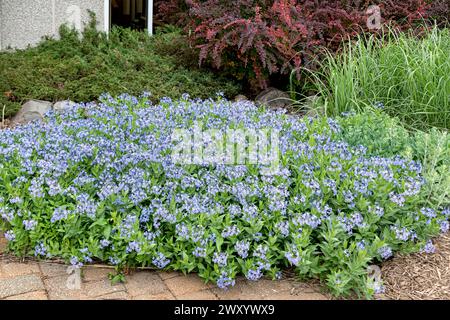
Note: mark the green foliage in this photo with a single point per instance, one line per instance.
(407, 76)
(385, 136)
(82, 68)
(98, 183)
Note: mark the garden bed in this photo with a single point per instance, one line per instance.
(98, 183)
(420, 276)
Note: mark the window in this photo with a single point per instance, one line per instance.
(135, 14)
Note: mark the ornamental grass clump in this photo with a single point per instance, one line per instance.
(99, 184)
(406, 76)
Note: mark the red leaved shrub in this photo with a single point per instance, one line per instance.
(257, 39)
(174, 12)
(439, 12)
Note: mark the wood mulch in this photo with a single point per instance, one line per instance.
(419, 276)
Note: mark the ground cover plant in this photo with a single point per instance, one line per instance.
(98, 184)
(386, 136)
(82, 68)
(406, 76)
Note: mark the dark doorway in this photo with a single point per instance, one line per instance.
(129, 13)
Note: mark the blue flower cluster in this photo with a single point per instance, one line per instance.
(97, 182)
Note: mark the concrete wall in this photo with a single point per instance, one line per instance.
(25, 22)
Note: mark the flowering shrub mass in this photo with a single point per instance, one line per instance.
(97, 183)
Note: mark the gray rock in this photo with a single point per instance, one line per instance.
(274, 98)
(62, 106)
(240, 97)
(32, 110)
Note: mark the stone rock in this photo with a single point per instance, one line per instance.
(240, 97)
(274, 98)
(62, 106)
(32, 110)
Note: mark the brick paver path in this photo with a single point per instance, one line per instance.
(43, 280)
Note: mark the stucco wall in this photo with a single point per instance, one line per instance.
(25, 22)
(1, 22)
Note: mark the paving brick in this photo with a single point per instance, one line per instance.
(233, 293)
(35, 295)
(163, 296)
(290, 296)
(95, 274)
(304, 287)
(19, 285)
(57, 289)
(100, 288)
(3, 243)
(265, 287)
(169, 275)
(314, 290)
(13, 269)
(121, 295)
(249, 288)
(23, 281)
(268, 290)
(145, 283)
(199, 295)
(50, 270)
(186, 284)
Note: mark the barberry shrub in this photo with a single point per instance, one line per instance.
(172, 12)
(256, 39)
(98, 183)
(438, 12)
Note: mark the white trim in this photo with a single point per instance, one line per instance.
(150, 17)
(106, 15)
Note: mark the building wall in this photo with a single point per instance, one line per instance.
(1, 22)
(25, 22)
